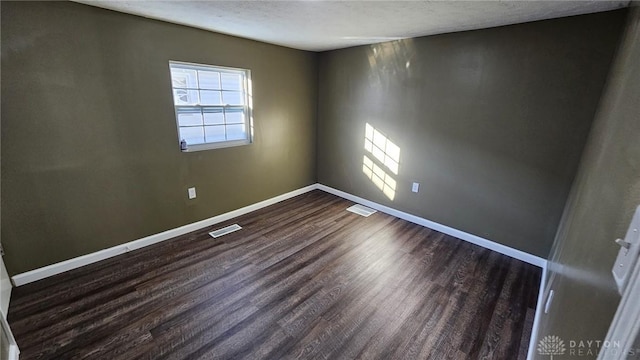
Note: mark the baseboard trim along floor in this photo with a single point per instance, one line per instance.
(487, 244)
(303, 278)
(57, 268)
(474, 239)
(74, 263)
(60, 267)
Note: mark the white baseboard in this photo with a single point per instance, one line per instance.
(539, 311)
(487, 244)
(57, 268)
(77, 262)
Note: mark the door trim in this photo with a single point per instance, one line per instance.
(625, 326)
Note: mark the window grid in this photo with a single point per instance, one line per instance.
(211, 105)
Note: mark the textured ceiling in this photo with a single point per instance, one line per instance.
(326, 25)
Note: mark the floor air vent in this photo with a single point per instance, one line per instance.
(225, 230)
(361, 210)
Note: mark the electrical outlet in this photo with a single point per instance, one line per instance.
(415, 187)
(192, 193)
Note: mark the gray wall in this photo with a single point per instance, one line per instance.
(90, 157)
(491, 123)
(602, 202)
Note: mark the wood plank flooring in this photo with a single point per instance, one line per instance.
(303, 279)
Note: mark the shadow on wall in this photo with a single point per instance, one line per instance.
(386, 154)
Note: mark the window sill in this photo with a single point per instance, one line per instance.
(211, 146)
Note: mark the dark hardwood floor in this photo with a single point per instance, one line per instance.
(303, 279)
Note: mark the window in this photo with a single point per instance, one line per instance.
(212, 105)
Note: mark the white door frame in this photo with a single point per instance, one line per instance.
(5, 296)
(14, 352)
(625, 327)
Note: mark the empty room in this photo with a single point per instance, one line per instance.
(320, 180)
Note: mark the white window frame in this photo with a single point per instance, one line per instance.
(246, 106)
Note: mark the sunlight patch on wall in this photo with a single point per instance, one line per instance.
(382, 148)
(391, 60)
(379, 177)
(387, 154)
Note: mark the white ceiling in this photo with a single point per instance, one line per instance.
(324, 25)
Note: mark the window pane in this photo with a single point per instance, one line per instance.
(209, 97)
(234, 116)
(189, 117)
(231, 81)
(211, 103)
(209, 79)
(214, 133)
(192, 135)
(184, 78)
(236, 132)
(213, 116)
(185, 97)
(232, 98)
